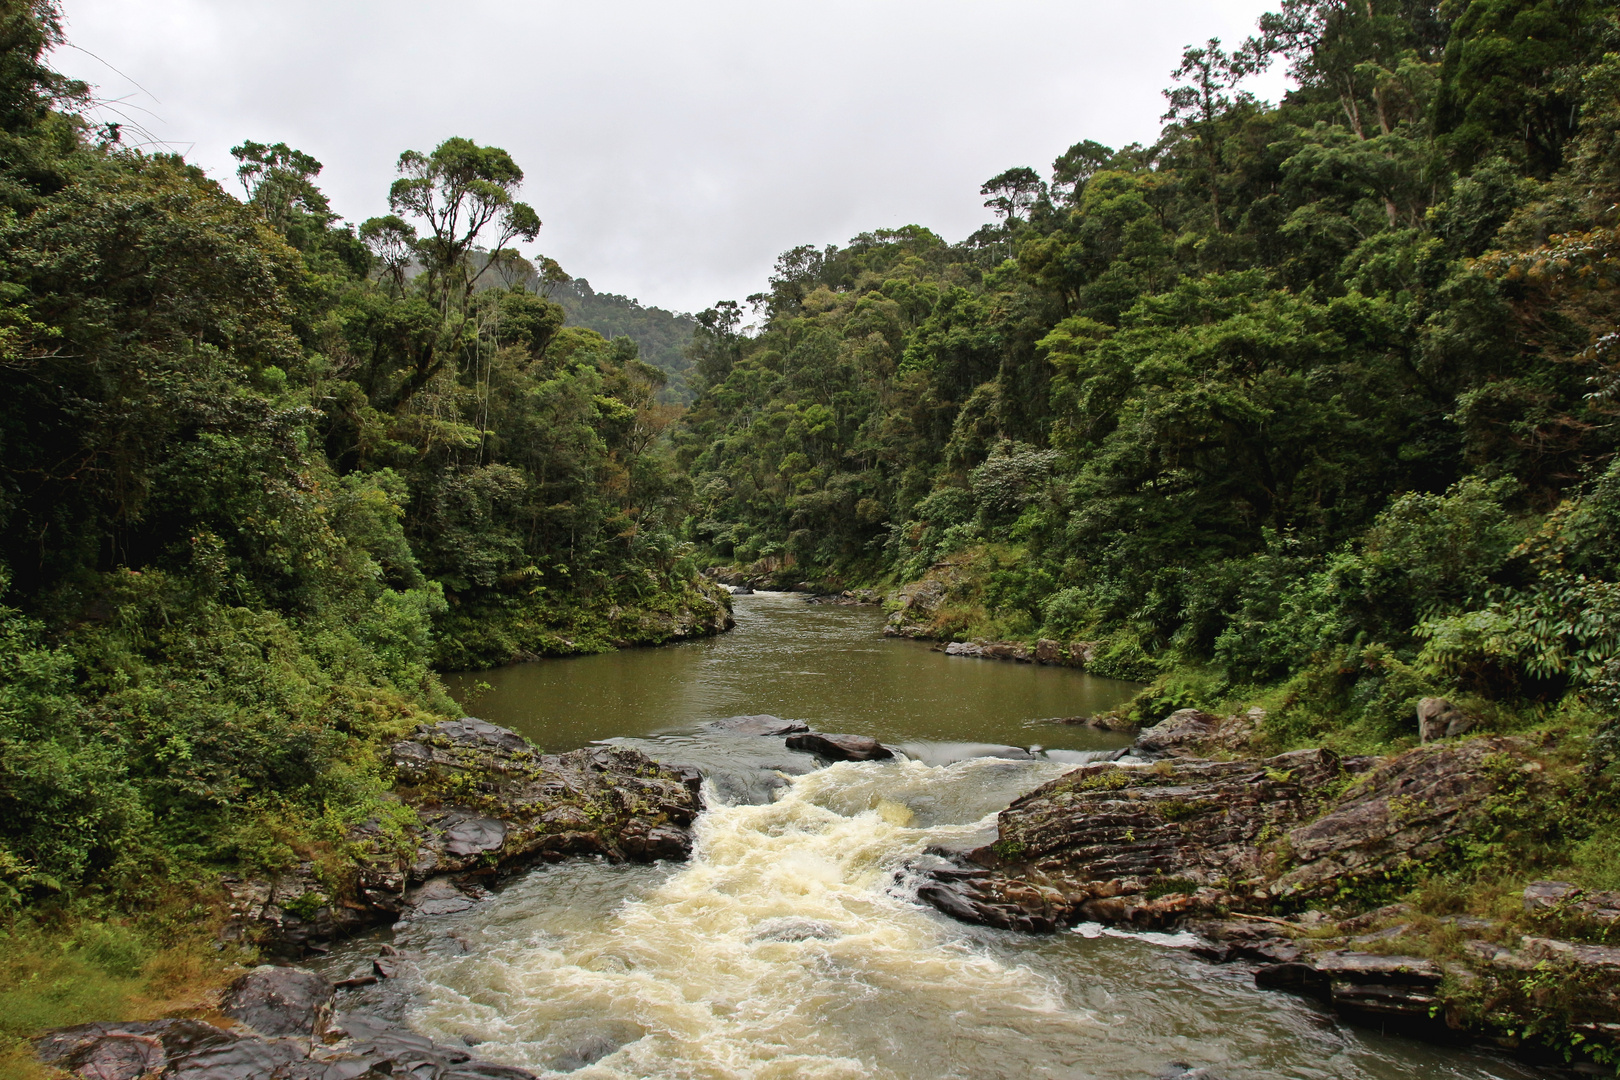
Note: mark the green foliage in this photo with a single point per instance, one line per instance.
(1315, 398)
(254, 465)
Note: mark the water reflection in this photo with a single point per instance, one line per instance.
(826, 665)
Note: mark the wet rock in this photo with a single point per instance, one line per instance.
(990, 650)
(840, 747)
(847, 598)
(793, 928)
(1440, 719)
(439, 896)
(743, 589)
(1048, 651)
(759, 725)
(469, 733)
(1366, 986)
(280, 1001)
(471, 834)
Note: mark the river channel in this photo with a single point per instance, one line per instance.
(791, 945)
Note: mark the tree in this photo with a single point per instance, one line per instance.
(1209, 78)
(1078, 164)
(1013, 193)
(459, 190)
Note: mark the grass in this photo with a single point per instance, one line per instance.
(76, 970)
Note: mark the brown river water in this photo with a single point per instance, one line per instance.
(790, 945)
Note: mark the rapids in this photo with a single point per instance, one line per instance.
(791, 944)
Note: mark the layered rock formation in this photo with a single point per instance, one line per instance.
(486, 802)
(1244, 853)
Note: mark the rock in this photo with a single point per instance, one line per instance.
(840, 747)
(1048, 651)
(1595, 958)
(105, 1051)
(280, 1001)
(480, 734)
(990, 650)
(487, 802)
(1411, 807)
(1366, 986)
(1440, 719)
(758, 725)
(1562, 898)
(471, 834)
(178, 1048)
(743, 589)
(1149, 845)
(440, 896)
(1191, 733)
(794, 928)
(192, 1050)
(847, 598)
(914, 606)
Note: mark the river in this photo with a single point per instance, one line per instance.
(790, 945)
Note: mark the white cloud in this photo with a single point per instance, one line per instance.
(673, 149)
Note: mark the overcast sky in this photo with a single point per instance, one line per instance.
(672, 149)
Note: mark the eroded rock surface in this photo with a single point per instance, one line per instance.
(759, 725)
(1151, 844)
(486, 801)
(1191, 733)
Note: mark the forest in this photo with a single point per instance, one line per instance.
(263, 473)
(1314, 401)
(1312, 404)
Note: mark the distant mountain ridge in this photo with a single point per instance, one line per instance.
(662, 335)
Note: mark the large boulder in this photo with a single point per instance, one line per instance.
(1151, 844)
(1440, 719)
(1192, 733)
(1405, 810)
(486, 801)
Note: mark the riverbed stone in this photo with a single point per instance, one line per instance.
(840, 747)
(280, 1001)
(761, 724)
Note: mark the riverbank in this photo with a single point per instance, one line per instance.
(515, 627)
(1401, 890)
(1283, 866)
